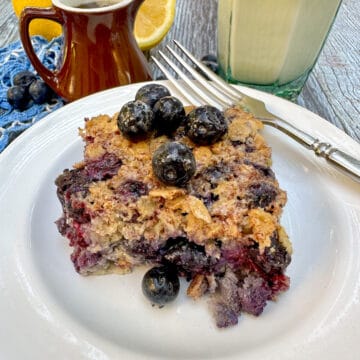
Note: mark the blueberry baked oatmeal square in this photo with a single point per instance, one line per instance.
(187, 191)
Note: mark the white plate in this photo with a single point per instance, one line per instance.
(48, 311)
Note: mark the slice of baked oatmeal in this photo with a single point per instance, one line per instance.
(220, 229)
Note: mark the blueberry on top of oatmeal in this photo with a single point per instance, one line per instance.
(169, 113)
(205, 125)
(151, 93)
(135, 120)
(173, 163)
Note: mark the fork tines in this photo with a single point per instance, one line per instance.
(198, 90)
(222, 95)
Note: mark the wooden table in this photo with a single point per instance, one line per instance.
(333, 88)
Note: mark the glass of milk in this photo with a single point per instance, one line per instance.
(272, 45)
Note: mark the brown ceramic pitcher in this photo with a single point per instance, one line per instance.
(99, 50)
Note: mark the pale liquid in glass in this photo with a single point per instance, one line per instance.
(271, 41)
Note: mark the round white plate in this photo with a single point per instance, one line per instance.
(48, 311)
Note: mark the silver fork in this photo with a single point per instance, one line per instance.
(220, 94)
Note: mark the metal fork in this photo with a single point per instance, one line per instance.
(222, 95)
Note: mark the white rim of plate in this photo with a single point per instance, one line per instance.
(22, 149)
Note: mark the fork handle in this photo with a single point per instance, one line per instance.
(343, 161)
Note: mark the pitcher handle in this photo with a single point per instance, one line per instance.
(27, 15)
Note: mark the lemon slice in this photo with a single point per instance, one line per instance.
(47, 28)
(153, 21)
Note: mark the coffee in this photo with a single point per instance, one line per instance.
(96, 4)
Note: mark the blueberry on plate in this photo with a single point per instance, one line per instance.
(24, 78)
(18, 97)
(39, 91)
(169, 113)
(151, 93)
(205, 125)
(173, 163)
(161, 285)
(135, 120)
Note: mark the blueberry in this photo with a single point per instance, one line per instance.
(160, 77)
(210, 61)
(71, 182)
(169, 113)
(187, 257)
(275, 258)
(40, 91)
(18, 97)
(173, 163)
(103, 168)
(132, 189)
(205, 125)
(24, 78)
(135, 120)
(161, 285)
(209, 57)
(261, 194)
(211, 65)
(151, 93)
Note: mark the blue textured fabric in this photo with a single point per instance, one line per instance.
(12, 60)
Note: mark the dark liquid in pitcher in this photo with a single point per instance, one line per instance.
(96, 4)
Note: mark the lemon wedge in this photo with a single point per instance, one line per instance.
(153, 21)
(47, 28)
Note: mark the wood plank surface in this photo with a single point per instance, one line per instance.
(333, 88)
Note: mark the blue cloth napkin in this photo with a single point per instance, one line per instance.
(12, 60)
